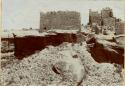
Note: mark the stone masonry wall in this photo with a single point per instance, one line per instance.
(60, 20)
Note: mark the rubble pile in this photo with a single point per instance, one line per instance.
(74, 61)
(103, 50)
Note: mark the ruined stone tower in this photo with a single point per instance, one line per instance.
(103, 18)
(94, 17)
(64, 20)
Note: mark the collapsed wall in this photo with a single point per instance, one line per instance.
(25, 46)
(101, 52)
(105, 51)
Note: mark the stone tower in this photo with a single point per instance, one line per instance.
(64, 20)
(106, 12)
(94, 17)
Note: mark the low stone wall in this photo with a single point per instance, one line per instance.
(28, 45)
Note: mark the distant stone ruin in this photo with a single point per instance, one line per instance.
(103, 18)
(64, 20)
(106, 21)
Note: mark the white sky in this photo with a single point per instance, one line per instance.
(18, 14)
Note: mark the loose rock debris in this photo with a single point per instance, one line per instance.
(64, 65)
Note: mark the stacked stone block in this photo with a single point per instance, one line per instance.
(68, 20)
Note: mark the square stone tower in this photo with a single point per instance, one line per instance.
(64, 20)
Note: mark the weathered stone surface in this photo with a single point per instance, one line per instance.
(105, 51)
(25, 46)
(60, 20)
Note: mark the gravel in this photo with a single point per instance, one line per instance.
(36, 70)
